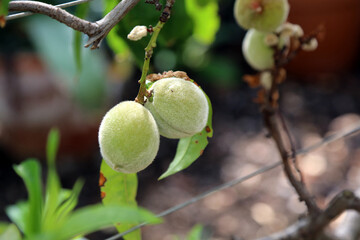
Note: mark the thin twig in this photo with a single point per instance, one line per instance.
(311, 227)
(165, 15)
(96, 31)
(271, 119)
(140, 98)
(110, 20)
(63, 5)
(241, 179)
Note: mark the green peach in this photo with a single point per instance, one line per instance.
(257, 54)
(263, 15)
(179, 107)
(128, 137)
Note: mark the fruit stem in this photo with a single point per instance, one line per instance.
(140, 98)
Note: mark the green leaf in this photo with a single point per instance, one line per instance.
(206, 19)
(96, 217)
(70, 202)
(195, 233)
(30, 172)
(81, 12)
(173, 35)
(119, 189)
(52, 146)
(10, 233)
(3, 226)
(53, 186)
(189, 149)
(117, 44)
(3, 11)
(18, 214)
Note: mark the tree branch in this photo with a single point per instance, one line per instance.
(349, 228)
(279, 132)
(312, 227)
(56, 13)
(110, 20)
(62, 5)
(96, 31)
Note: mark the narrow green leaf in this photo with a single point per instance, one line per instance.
(10, 233)
(206, 19)
(189, 149)
(118, 44)
(70, 202)
(18, 214)
(3, 226)
(96, 217)
(30, 172)
(81, 12)
(53, 186)
(3, 12)
(119, 189)
(195, 233)
(52, 146)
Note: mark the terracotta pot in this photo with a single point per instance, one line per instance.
(339, 48)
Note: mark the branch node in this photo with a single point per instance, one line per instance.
(158, 5)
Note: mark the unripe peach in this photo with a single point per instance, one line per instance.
(128, 137)
(257, 53)
(263, 15)
(179, 107)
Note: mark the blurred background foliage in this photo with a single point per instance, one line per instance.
(48, 79)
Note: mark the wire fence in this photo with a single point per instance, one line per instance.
(63, 5)
(326, 140)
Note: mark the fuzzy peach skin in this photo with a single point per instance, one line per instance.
(128, 137)
(257, 54)
(263, 15)
(179, 107)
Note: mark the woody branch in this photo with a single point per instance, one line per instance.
(96, 31)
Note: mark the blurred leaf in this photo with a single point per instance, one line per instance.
(3, 12)
(117, 44)
(18, 214)
(189, 149)
(119, 189)
(52, 147)
(222, 72)
(53, 41)
(3, 226)
(89, 219)
(69, 203)
(30, 172)
(173, 35)
(195, 233)
(81, 12)
(206, 19)
(10, 233)
(135, 17)
(194, 53)
(53, 186)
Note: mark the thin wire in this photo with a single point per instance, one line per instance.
(63, 5)
(236, 181)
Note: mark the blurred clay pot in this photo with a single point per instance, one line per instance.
(339, 47)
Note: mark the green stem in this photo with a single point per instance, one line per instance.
(140, 98)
